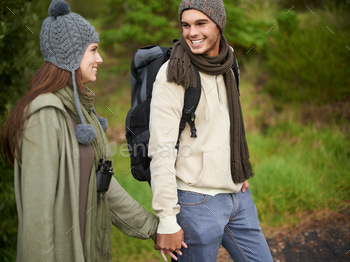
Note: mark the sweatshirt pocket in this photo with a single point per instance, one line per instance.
(216, 168)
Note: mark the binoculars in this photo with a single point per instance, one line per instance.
(104, 175)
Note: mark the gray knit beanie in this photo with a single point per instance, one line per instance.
(214, 9)
(64, 37)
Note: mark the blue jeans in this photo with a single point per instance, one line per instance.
(230, 220)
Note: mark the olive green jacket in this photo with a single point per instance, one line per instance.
(47, 195)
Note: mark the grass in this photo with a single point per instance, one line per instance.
(298, 169)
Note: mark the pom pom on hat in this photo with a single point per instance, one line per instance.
(65, 36)
(85, 134)
(59, 8)
(103, 122)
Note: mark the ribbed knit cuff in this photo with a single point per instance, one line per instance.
(168, 225)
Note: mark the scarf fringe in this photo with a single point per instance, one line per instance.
(241, 171)
(181, 73)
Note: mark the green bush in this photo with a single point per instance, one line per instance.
(9, 220)
(20, 58)
(19, 44)
(243, 31)
(127, 25)
(308, 59)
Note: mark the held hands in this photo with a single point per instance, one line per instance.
(169, 243)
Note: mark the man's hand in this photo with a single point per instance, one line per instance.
(245, 186)
(169, 243)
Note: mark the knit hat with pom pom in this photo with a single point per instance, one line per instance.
(64, 37)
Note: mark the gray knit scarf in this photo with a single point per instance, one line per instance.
(181, 72)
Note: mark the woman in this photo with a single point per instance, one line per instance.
(55, 141)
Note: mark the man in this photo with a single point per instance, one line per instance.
(207, 175)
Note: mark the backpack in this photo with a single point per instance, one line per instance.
(144, 68)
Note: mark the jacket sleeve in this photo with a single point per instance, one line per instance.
(36, 184)
(128, 215)
(166, 110)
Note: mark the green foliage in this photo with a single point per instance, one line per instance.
(309, 61)
(20, 57)
(288, 22)
(19, 44)
(301, 4)
(247, 25)
(89, 9)
(127, 25)
(8, 221)
(242, 32)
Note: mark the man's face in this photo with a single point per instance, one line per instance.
(201, 33)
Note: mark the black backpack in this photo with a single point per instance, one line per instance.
(144, 68)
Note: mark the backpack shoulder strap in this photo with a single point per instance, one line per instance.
(191, 100)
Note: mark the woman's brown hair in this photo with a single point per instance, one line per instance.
(48, 79)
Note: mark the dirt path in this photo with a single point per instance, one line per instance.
(321, 236)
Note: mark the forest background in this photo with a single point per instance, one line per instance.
(294, 60)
